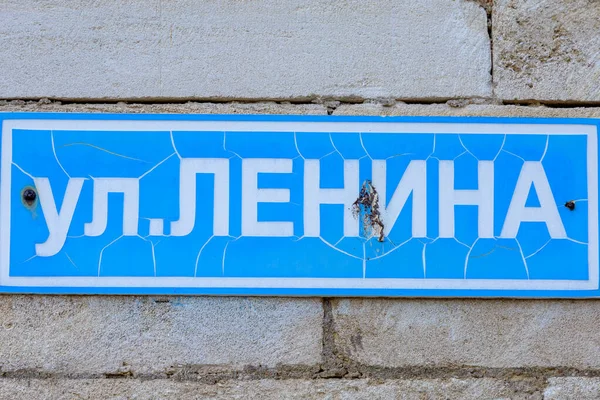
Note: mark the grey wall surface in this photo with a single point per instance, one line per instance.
(537, 58)
(273, 49)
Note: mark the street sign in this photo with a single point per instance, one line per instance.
(290, 205)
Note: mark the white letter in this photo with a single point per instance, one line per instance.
(187, 194)
(314, 196)
(413, 180)
(483, 198)
(58, 222)
(252, 195)
(533, 173)
(130, 187)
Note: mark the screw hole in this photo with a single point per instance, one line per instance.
(570, 205)
(29, 196)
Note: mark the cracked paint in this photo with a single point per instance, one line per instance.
(369, 255)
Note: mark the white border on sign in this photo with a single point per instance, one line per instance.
(300, 126)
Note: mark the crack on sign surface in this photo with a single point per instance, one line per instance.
(367, 207)
(102, 149)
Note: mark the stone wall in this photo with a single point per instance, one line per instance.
(537, 58)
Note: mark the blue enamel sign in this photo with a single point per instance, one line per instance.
(281, 205)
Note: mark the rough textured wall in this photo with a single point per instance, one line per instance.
(492, 58)
(547, 50)
(268, 49)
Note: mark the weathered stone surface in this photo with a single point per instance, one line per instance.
(265, 49)
(488, 333)
(267, 107)
(112, 334)
(123, 336)
(572, 389)
(547, 50)
(464, 108)
(265, 389)
(453, 108)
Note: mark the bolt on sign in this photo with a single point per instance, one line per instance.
(282, 205)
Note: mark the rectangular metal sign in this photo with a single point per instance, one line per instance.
(289, 205)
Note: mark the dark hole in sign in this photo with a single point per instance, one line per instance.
(29, 196)
(570, 205)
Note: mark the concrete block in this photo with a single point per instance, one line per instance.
(578, 388)
(148, 335)
(265, 49)
(486, 333)
(264, 389)
(547, 50)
